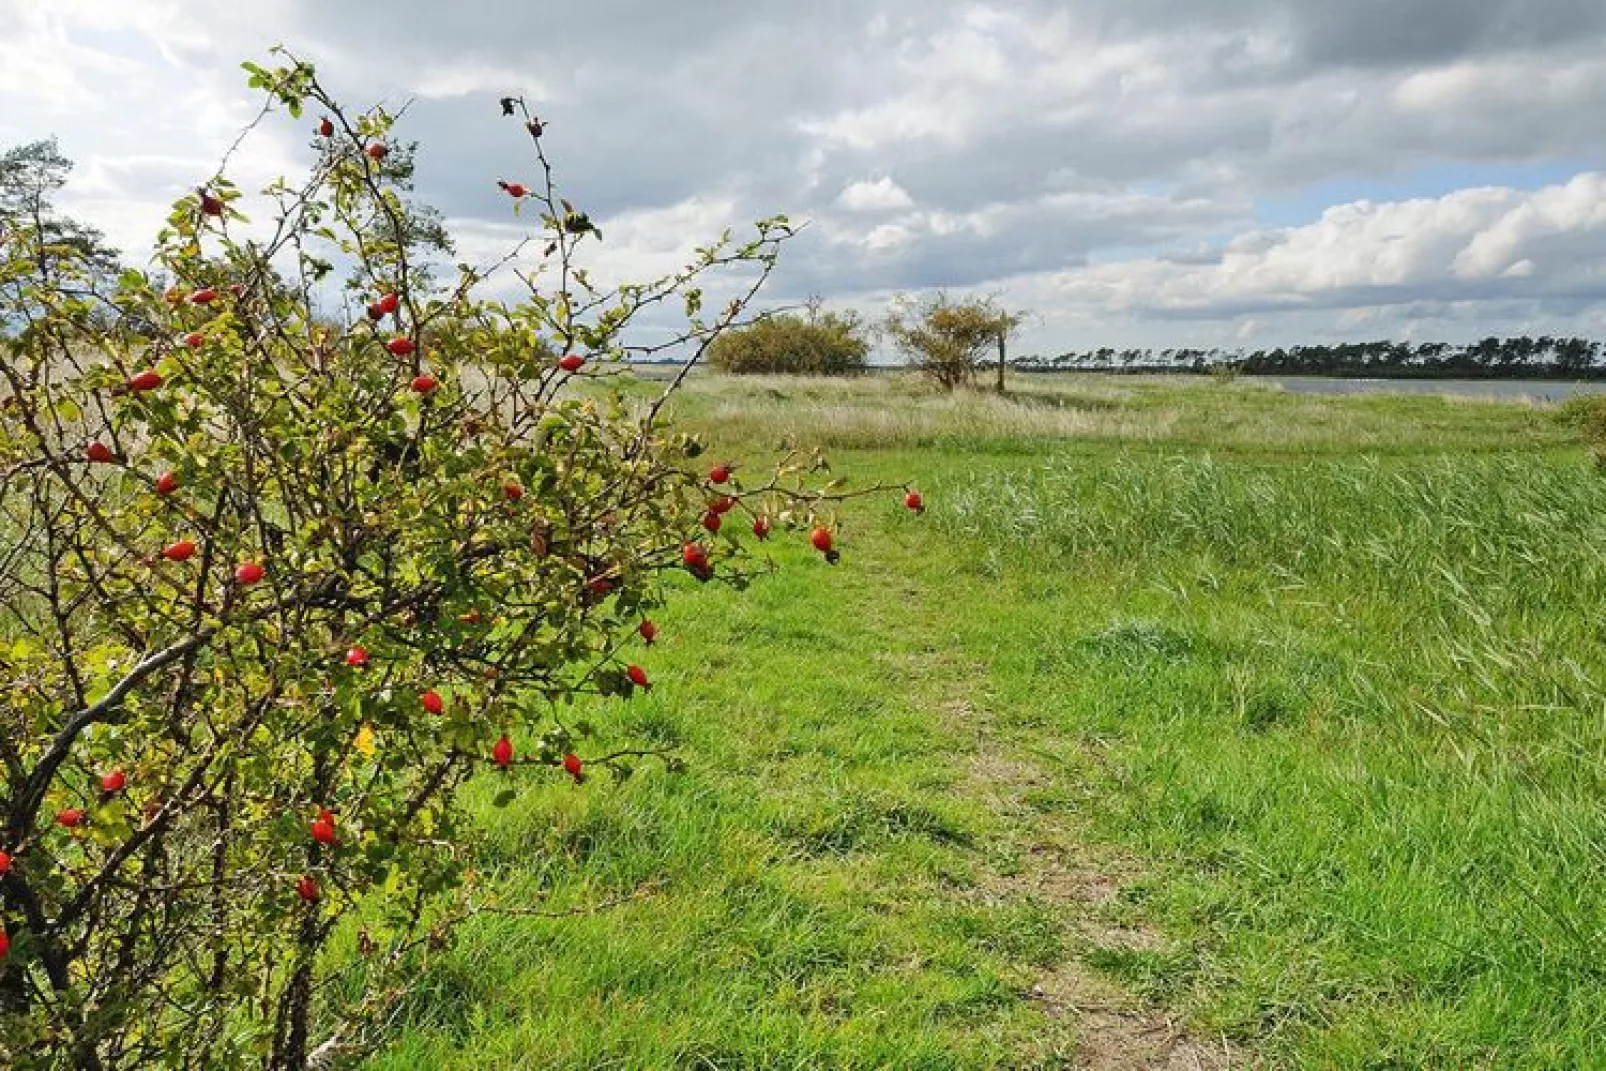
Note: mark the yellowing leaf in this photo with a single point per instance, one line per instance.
(364, 741)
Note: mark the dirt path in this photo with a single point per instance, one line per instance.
(1056, 866)
(1049, 862)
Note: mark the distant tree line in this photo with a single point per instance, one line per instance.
(1523, 357)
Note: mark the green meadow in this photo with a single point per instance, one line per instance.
(1194, 724)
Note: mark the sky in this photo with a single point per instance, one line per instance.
(1128, 172)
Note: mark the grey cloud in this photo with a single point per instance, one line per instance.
(1392, 33)
(1366, 33)
(1045, 119)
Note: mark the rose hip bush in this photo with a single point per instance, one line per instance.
(293, 541)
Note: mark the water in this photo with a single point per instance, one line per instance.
(1551, 390)
(1554, 390)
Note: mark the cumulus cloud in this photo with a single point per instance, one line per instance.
(1539, 249)
(1108, 163)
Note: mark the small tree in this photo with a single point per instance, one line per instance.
(273, 587)
(30, 176)
(819, 343)
(947, 338)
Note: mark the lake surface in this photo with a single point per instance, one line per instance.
(1553, 390)
(1547, 389)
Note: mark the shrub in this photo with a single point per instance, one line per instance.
(817, 344)
(273, 587)
(1587, 413)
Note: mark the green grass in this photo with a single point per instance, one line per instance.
(803, 867)
(1316, 680)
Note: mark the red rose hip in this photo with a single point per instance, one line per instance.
(182, 551)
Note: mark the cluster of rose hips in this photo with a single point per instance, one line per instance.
(695, 556)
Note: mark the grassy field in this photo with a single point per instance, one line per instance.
(1195, 724)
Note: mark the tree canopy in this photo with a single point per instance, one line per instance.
(30, 176)
(946, 337)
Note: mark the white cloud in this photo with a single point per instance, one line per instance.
(460, 79)
(638, 245)
(1501, 83)
(882, 195)
(1407, 251)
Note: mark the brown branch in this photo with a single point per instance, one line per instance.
(44, 770)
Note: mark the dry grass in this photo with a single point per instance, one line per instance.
(896, 410)
(901, 410)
